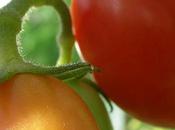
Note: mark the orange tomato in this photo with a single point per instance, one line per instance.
(33, 102)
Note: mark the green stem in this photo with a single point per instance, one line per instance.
(65, 53)
(66, 41)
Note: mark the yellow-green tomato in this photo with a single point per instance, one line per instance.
(32, 102)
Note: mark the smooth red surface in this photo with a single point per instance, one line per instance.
(133, 42)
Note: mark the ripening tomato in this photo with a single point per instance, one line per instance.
(133, 42)
(32, 102)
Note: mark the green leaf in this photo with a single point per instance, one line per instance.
(11, 62)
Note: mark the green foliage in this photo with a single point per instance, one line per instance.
(39, 36)
(41, 28)
(13, 39)
(68, 2)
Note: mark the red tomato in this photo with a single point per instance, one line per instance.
(133, 42)
(30, 102)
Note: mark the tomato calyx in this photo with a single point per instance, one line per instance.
(63, 72)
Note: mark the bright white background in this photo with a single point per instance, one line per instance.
(4, 2)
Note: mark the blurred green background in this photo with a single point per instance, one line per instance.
(39, 36)
(40, 46)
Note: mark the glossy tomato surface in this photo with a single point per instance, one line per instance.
(133, 42)
(30, 102)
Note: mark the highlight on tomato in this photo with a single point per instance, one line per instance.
(33, 102)
(133, 44)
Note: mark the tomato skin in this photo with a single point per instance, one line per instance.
(133, 42)
(44, 103)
